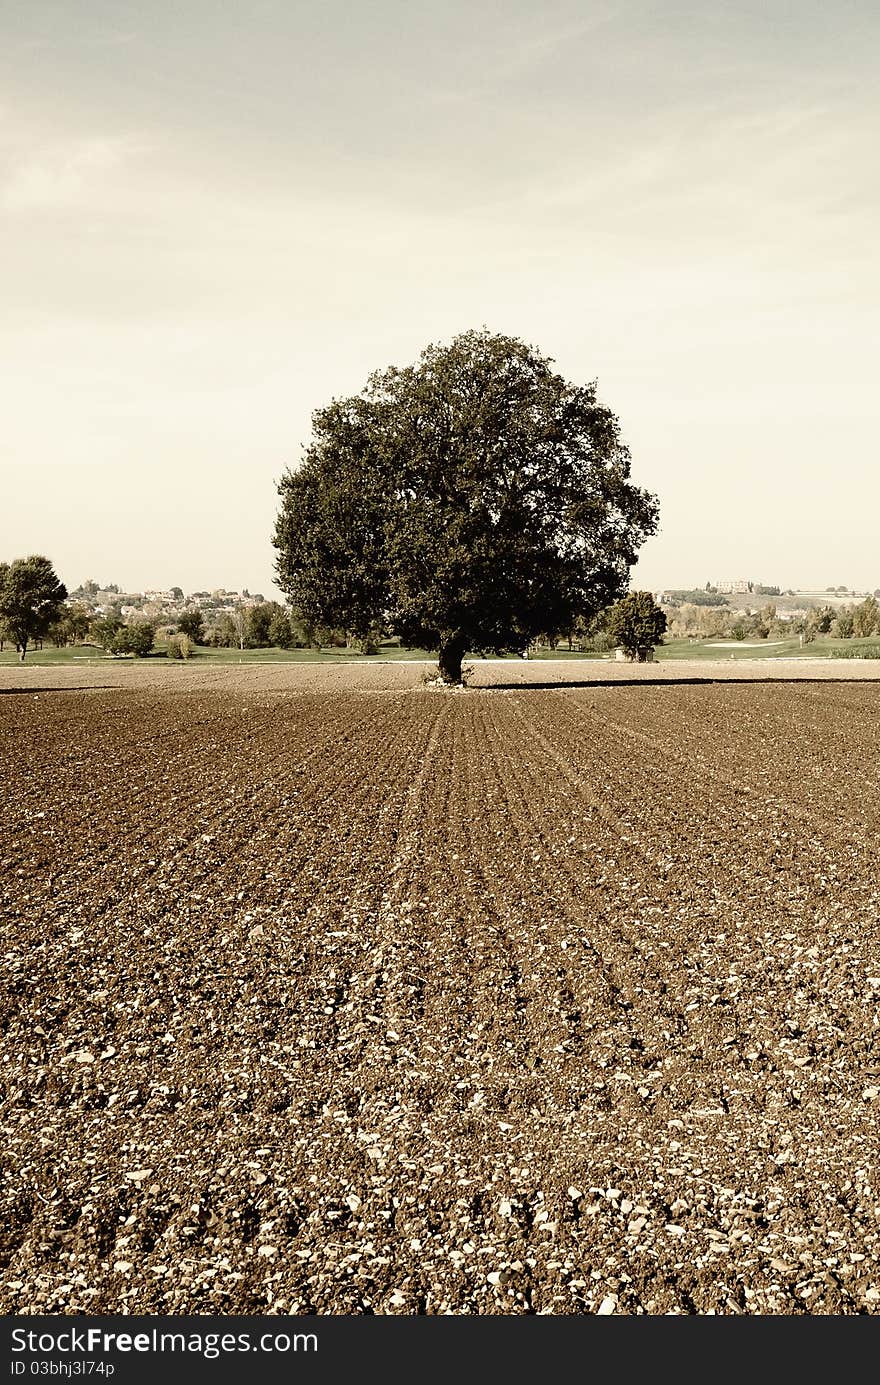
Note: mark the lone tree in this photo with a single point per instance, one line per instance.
(31, 599)
(468, 502)
(636, 624)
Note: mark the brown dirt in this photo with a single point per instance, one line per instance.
(325, 992)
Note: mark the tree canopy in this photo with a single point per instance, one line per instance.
(137, 639)
(192, 624)
(471, 501)
(31, 599)
(636, 623)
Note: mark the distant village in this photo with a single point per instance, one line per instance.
(789, 602)
(161, 605)
(126, 622)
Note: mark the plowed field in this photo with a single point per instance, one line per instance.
(329, 992)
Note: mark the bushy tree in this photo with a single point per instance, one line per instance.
(192, 624)
(78, 621)
(224, 632)
(71, 627)
(31, 599)
(137, 639)
(179, 647)
(105, 627)
(866, 618)
(636, 623)
(471, 501)
(258, 624)
(281, 634)
(821, 618)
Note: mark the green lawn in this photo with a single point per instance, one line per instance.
(674, 649)
(723, 648)
(50, 655)
(88, 654)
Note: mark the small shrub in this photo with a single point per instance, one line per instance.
(600, 643)
(179, 647)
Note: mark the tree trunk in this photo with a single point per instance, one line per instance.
(452, 651)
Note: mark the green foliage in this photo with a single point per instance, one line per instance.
(134, 639)
(192, 624)
(224, 632)
(77, 621)
(866, 618)
(636, 623)
(861, 651)
(821, 619)
(471, 501)
(281, 634)
(258, 623)
(369, 643)
(695, 598)
(179, 647)
(598, 643)
(31, 599)
(71, 627)
(105, 628)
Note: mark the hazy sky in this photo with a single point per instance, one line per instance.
(215, 217)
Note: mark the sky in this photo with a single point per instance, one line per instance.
(215, 218)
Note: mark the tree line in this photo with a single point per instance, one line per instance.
(34, 608)
(856, 621)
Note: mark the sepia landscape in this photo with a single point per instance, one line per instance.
(439, 672)
(328, 991)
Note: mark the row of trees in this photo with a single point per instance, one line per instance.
(262, 626)
(859, 620)
(634, 623)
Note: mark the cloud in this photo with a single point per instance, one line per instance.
(61, 175)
